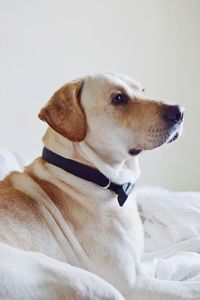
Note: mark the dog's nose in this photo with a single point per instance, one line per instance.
(174, 113)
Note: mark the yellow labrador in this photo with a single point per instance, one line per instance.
(70, 227)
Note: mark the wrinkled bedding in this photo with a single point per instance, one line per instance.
(10, 161)
(171, 224)
(172, 233)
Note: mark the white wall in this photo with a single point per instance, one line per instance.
(45, 43)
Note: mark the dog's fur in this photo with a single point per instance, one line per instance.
(66, 238)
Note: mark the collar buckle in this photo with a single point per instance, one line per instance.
(107, 185)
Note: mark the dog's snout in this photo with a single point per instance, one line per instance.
(174, 113)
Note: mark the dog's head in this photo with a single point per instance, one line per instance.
(110, 112)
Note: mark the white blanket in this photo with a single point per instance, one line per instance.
(10, 161)
(171, 224)
(172, 233)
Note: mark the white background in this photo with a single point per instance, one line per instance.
(44, 44)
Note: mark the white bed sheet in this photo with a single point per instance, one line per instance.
(10, 161)
(172, 233)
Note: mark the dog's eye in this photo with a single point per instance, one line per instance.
(119, 99)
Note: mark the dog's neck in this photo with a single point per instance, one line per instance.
(118, 170)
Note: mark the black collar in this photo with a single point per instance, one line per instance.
(89, 174)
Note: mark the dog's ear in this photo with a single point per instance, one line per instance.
(64, 112)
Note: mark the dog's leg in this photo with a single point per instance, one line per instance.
(31, 275)
(149, 288)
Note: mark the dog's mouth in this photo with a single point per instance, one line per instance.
(157, 139)
(135, 151)
(175, 136)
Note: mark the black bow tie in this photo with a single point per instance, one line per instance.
(89, 174)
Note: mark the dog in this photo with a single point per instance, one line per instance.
(76, 233)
